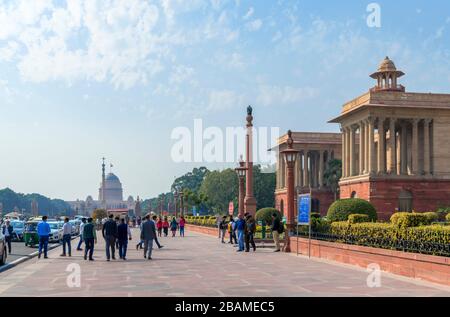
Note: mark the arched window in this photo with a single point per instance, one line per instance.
(405, 201)
(354, 195)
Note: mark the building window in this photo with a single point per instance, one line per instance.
(354, 195)
(405, 201)
(282, 207)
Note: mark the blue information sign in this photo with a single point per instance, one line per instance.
(304, 209)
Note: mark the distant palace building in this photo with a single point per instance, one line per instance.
(110, 197)
(403, 160)
(315, 151)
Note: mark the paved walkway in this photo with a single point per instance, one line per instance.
(199, 265)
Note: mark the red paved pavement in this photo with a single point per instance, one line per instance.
(199, 265)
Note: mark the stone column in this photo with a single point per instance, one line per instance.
(366, 148)
(347, 153)
(250, 200)
(321, 168)
(344, 140)
(426, 147)
(381, 147)
(305, 169)
(392, 158)
(352, 152)
(404, 149)
(241, 195)
(372, 156)
(362, 141)
(415, 146)
(302, 177)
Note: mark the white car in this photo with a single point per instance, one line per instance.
(75, 227)
(56, 231)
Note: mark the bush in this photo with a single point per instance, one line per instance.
(431, 217)
(358, 218)
(265, 214)
(341, 209)
(408, 219)
(447, 217)
(433, 234)
(361, 232)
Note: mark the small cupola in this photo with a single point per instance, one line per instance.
(386, 76)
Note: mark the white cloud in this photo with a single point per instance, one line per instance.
(285, 95)
(249, 13)
(220, 100)
(254, 25)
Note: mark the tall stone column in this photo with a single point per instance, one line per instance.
(344, 141)
(415, 146)
(426, 145)
(372, 155)
(362, 142)
(347, 152)
(381, 147)
(302, 177)
(305, 169)
(250, 200)
(352, 152)
(404, 149)
(367, 150)
(392, 156)
(321, 168)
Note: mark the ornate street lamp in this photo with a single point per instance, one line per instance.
(181, 203)
(241, 171)
(290, 156)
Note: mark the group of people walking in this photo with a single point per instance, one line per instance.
(116, 233)
(241, 232)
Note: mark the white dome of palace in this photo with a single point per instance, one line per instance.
(113, 188)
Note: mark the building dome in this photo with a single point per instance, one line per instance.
(387, 66)
(113, 189)
(112, 178)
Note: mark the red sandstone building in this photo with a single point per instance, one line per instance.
(402, 162)
(315, 150)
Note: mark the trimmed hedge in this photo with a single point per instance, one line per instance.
(265, 214)
(447, 217)
(409, 219)
(358, 218)
(431, 217)
(341, 209)
(207, 221)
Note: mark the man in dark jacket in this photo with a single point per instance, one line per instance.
(109, 233)
(250, 229)
(89, 238)
(148, 233)
(123, 234)
(276, 228)
(8, 231)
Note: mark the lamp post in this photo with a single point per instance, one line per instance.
(241, 171)
(181, 203)
(175, 196)
(290, 156)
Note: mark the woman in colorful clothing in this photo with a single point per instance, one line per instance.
(182, 224)
(165, 225)
(159, 226)
(173, 226)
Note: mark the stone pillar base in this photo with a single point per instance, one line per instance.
(250, 205)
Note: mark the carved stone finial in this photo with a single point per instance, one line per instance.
(290, 141)
(249, 110)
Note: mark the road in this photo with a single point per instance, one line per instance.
(199, 266)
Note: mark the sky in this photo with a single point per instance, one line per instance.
(81, 80)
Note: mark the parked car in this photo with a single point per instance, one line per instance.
(30, 235)
(3, 253)
(19, 227)
(56, 232)
(75, 227)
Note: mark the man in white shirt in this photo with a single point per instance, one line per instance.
(83, 222)
(67, 237)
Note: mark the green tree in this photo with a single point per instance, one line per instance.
(264, 187)
(220, 187)
(99, 214)
(192, 180)
(332, 175)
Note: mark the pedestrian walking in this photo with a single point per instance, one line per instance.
(223, 228)
(109, 233)
(43, 230)
(240, 227)
(182, 224)
(148, 234)
(250, 229)
(83, 223)
(277, 229)
(90, 238)
(123, 235)
(67, 237)
(154, 219)
(159, 226)
(166, 227)
(218, 221)
(117, 219)
(232, 230)
(8, 231)
(174, 226)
